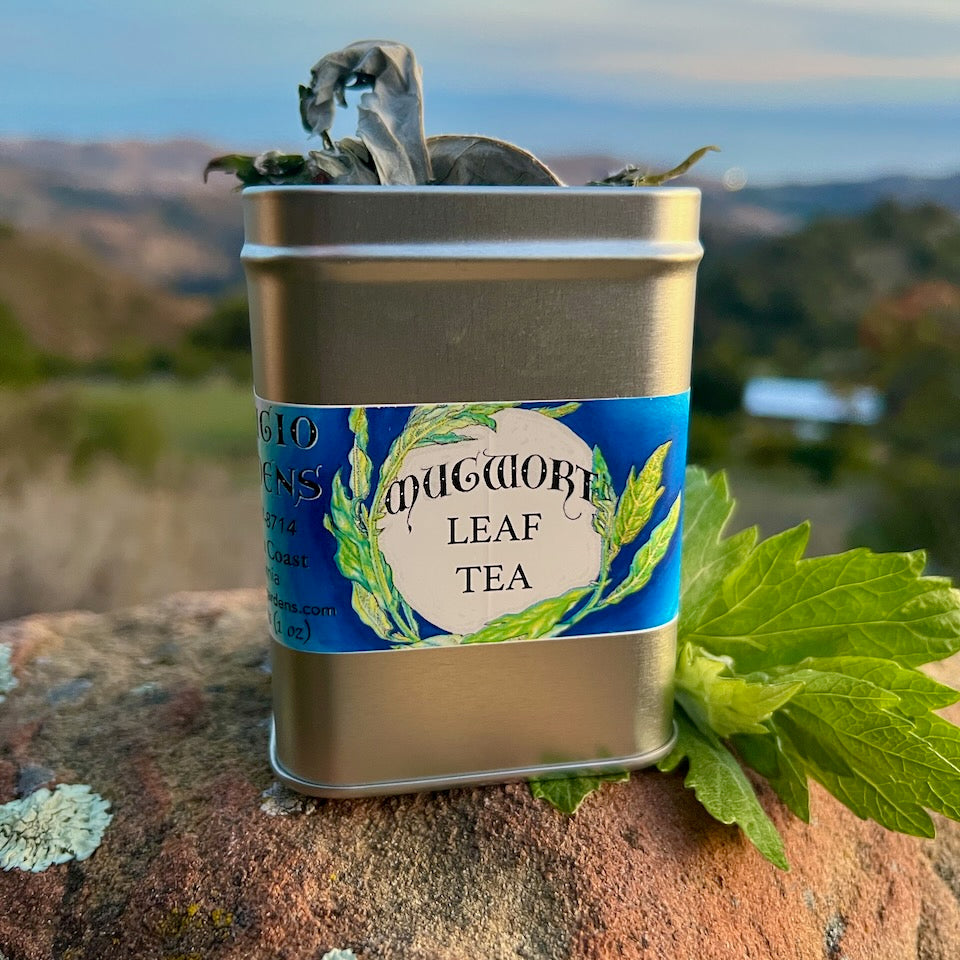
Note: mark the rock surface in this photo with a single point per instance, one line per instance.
(163, 709)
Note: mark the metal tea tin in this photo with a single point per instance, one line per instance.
(472, 407)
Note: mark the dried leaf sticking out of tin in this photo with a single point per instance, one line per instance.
(390, 111)
(391, 146)
(632, 176)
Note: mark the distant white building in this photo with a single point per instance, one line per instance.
(811, 404)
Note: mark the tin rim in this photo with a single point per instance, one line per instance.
(473, 190)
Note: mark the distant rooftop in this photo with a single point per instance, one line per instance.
(811, 401)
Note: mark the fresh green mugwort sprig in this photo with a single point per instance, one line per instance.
(806, 669)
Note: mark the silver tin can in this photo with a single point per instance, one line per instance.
(424, 302)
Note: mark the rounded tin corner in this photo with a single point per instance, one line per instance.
(331, 791)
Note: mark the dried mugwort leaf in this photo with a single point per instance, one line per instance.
(483, 161)
(390, 111)
(632, 176)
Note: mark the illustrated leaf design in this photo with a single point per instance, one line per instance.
(359, 558)
(602, 495)
(440, 438)
(648, 556)
(349, 557)
(353, 555)
(357, 421)
(639, 497)
(361, 469)
(556, 412)
(536, 621)
(481, 419)
(370, 612)
(442, 640)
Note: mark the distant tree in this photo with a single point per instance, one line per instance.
(796, 301)
(221, 342)
(20, 361)
(915, 344)
(226, 330)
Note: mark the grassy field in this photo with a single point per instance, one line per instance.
(111, 494)
(116, 493)
(211, 419)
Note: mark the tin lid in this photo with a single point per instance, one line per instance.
(296, 216)
(435, 294)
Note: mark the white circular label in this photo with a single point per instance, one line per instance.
(494, 523)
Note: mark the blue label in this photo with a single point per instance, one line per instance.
(447, 524)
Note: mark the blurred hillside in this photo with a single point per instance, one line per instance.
(139, 207)
(67, 301)
(144, 209)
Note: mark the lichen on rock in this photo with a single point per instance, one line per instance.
(50, 827)
(279, 801)
(7, 680)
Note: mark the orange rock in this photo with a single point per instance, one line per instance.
(194, 865)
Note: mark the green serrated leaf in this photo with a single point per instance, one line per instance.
(767, 755)
(639, 497)
(645, 560)
(850, 629)
(536, 621)
(723, 788)
(566, 794)
(777, 608)
(917, 693)
(897, 766)
(370, 612)
(724, 704)
(707, 557)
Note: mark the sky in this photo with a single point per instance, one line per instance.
(790, 89)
